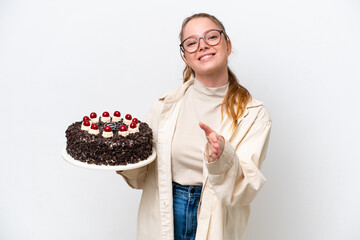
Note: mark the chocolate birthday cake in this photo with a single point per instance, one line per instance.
(109, 140)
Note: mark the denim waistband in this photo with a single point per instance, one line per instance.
(192, 190)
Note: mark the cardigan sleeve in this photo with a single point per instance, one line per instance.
(236, 176)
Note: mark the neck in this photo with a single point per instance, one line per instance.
(217, 79)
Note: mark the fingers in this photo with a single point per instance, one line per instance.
(215, 147)
(213, 157)
(216, 142)
(214, 150)
(211, 136)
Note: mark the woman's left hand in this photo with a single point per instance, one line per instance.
(215, 141)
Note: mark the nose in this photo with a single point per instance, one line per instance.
(202, 44)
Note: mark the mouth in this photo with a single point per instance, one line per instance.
(206, 56)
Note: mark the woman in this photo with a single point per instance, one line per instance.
(211, 138)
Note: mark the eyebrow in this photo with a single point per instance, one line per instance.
(195, 35)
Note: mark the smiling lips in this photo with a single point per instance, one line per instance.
(206, 56)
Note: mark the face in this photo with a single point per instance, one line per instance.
(206, 59)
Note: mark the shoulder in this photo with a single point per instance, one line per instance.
(170, 96)
(257, 110)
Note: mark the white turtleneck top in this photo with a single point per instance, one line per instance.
(200, 104)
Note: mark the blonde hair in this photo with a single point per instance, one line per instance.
(237, 96)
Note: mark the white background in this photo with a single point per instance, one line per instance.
(60, 60)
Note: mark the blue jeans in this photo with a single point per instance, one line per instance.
(185, 203)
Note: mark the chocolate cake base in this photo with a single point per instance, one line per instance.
(116, 150)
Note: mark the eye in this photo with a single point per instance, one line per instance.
(212, 36)
(190, 42)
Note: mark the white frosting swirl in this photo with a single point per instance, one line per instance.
(116, 119)
(85, 128)
(94, 120)
(107, 134)
(93, 131)
(105, 119)
(127, 122)
(134, 130)
(124, 134)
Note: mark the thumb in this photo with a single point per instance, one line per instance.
(206, 128)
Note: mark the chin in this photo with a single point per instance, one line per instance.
(210, 70)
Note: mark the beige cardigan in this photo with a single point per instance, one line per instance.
(230, 184)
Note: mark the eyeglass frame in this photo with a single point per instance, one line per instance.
(182, 48)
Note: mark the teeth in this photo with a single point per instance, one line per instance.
(206, 57)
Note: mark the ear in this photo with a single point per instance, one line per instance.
(183, 55)
(228, 47)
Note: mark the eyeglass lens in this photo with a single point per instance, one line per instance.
(211, 38)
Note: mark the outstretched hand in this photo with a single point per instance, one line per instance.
(216, 142)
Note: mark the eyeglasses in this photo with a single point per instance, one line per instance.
(211, 37)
